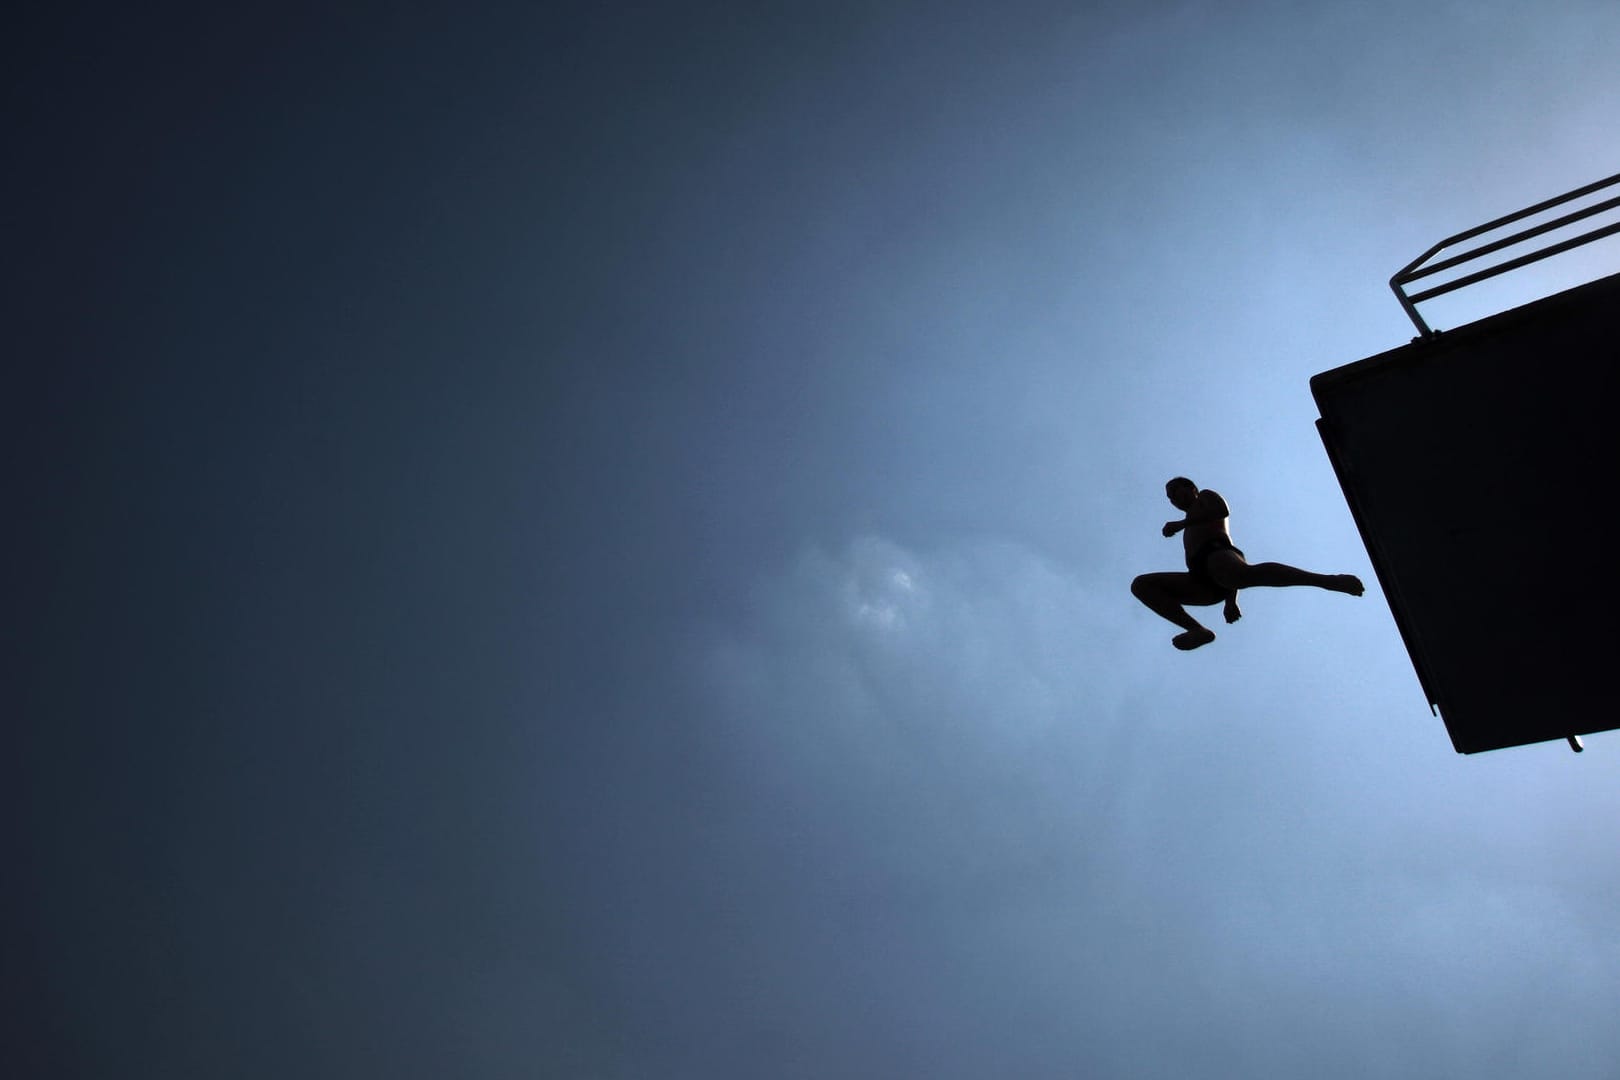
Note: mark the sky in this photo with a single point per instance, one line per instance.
(594, 541)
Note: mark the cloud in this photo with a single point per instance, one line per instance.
(977, 660)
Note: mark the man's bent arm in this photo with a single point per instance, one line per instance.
(1209, 507)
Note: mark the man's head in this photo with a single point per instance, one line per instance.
(1181, 492)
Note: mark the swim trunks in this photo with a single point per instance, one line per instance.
(1198, 561)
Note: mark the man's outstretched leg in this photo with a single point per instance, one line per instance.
(1165, 594)
(1238, 574)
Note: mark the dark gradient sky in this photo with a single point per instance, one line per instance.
(594, 543)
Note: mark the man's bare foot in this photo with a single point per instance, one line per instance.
(1190, 640)
(1347, 583)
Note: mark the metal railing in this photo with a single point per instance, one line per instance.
(1411, 272)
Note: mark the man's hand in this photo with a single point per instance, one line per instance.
(1231, 611)
(1173, 527)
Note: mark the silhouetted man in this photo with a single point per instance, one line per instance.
(1216, 569)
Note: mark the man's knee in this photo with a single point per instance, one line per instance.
(1142, 586)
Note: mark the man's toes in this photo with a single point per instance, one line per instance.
(1192, 639)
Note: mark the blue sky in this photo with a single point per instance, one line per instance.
(597, 544)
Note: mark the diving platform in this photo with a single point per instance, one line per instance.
(1480, 466)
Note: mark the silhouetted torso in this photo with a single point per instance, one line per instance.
(1193, 537)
